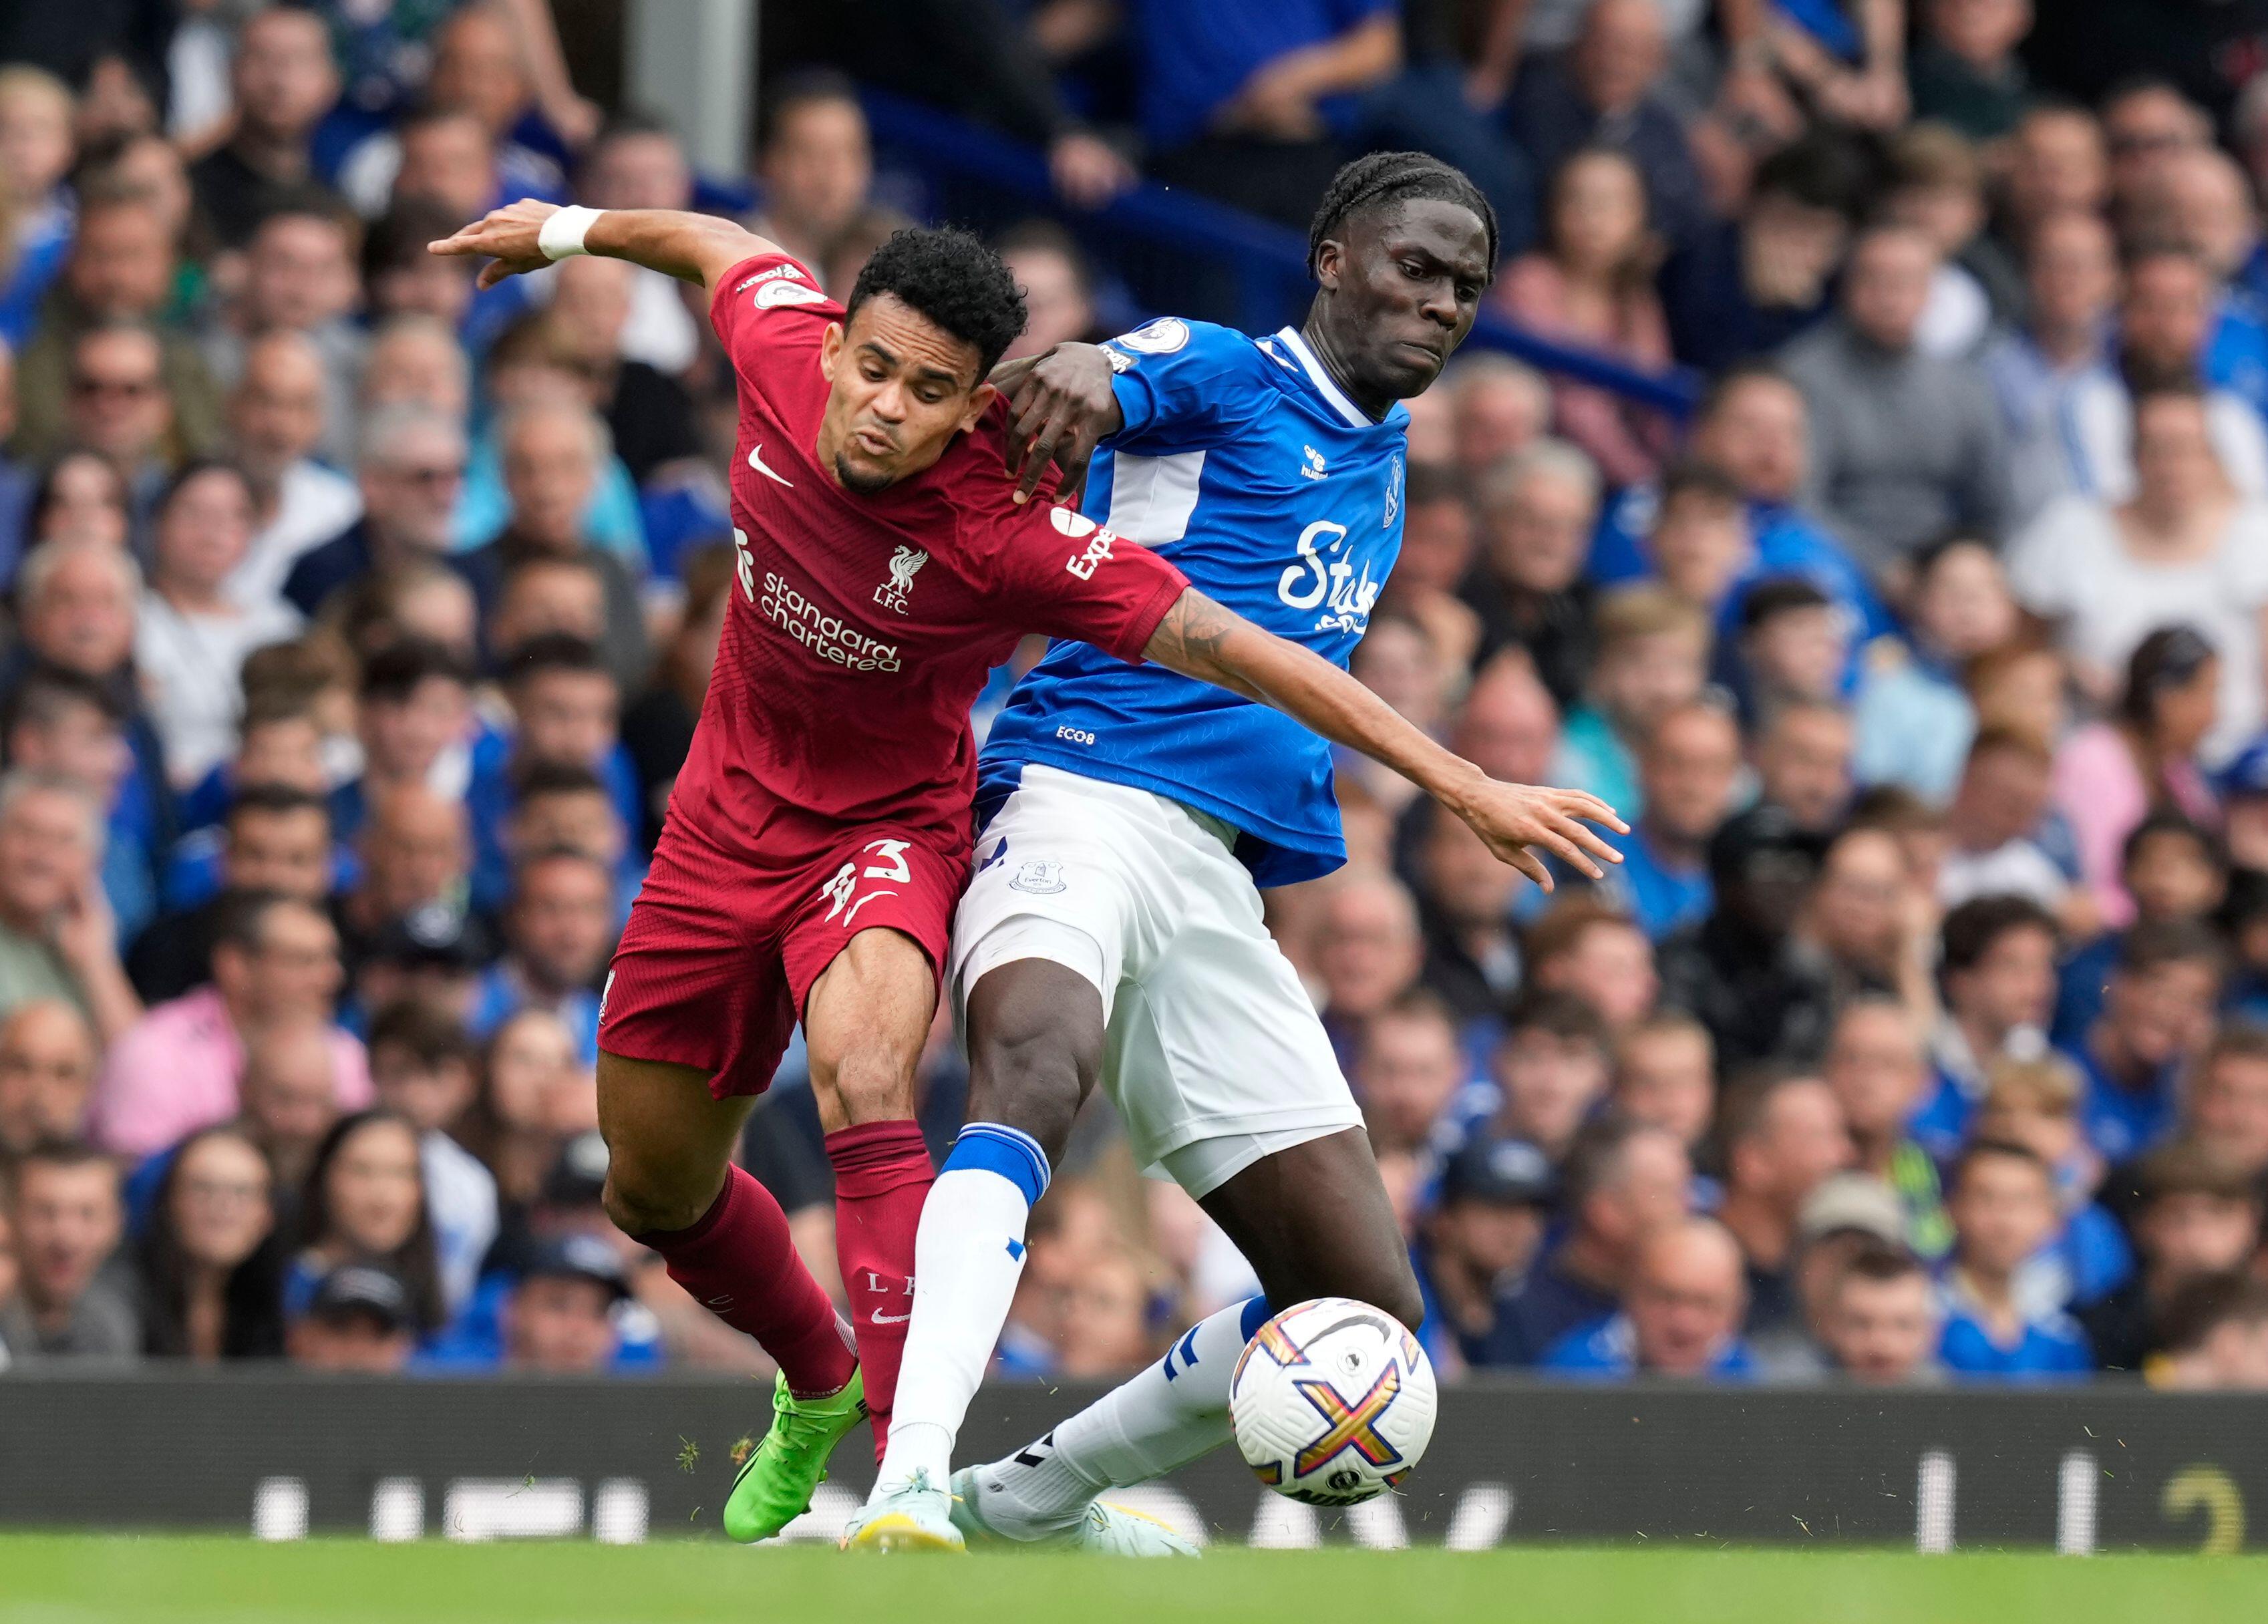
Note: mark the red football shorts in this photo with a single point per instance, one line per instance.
(721, 949)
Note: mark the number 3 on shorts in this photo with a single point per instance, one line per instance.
(892, 868)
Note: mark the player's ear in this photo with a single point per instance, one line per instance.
(979, 399)
(1330, 259)
(830, 347)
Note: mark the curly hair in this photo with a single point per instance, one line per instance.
(952, 278)
(1387, 178)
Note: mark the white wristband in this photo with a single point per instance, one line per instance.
(562, 235)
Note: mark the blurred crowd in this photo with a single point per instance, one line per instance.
(360, 622)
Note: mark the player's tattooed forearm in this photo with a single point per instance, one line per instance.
(1191, 637)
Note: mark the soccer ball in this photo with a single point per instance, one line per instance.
(1332, 1402)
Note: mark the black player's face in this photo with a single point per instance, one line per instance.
(899, 387)
(1404, 286)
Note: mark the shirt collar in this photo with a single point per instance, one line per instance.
(1319, 376)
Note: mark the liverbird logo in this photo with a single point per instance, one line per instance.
(892, 593)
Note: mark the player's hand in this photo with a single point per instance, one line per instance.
(507, 235)
(1060, 406)
(1520, 822)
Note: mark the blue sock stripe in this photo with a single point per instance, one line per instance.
(1256, 1315)
(994, 1148)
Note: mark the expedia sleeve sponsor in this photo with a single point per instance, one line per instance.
(827, 635)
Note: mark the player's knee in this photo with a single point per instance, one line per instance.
(640, 1205)
(869, 1081)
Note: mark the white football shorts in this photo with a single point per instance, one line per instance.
(1213, 1053)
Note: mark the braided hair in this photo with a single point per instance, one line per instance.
(1387, 178)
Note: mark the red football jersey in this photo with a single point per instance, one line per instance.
(862, 627)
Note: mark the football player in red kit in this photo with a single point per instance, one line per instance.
(819, 836)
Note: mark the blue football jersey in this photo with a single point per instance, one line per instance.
(1243, 462)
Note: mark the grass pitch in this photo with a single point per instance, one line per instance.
(86, 1579)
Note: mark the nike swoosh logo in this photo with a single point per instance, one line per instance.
(862, 902)
(879, 1317)
(756, 461)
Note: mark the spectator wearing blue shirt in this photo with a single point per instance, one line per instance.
(2157, 1011)
(1623, 1181)
(2195, 1210)
(564, 1314)
(2003, 1204)
(1996, 973)
(1257, 101)
(1914, 715)
(1680, 1318)
(1479, 1241)
(559, 932)
(1689, 770)
(2174, 869)
(2035, 1104)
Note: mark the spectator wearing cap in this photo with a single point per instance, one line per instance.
(1846, 1214)
(276, 420)
(2194, 1211)
(2244, 793)
(559, 931)
(2034, 1103)
(432, 956)
(359, 1319)
(1996, 974)
(1913, 716)
(2174, 869)
(1622, 1182)
(275, 839)
(65, 1214)
(275, 963)
(282, 83)
(409, 467)
(1537, 509)
(47, 1055)
(2216, 1337)
(1680, 1315)
(1782, 1136)
(1879, 1075)
(1908, 445)
(1688, 767)
(1652, 658)
(2157, 1014)
(1994, 825)
(1407, 1071)
(1882, 1322)
(422, 1066)
(2002, 1201)
(1801, 754)
(1550, 1071)
(414, 843)
(2226, 1104)
(1479, 1241)
(557, 1316)
(1742, 971)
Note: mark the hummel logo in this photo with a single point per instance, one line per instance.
(1312, 462)
(756, 461)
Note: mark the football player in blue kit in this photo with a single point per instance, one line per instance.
(1112, 930)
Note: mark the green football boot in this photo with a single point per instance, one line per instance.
(775, 1482)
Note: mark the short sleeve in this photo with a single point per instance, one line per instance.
(1056, 571)
(767, 303)
(1179, 383)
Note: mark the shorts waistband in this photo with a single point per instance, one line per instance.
(1134, 799)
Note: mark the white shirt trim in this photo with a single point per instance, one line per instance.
(1321, 379)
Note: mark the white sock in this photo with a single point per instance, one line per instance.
(968, 1253)
(1172, 1411)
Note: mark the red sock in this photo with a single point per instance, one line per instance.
(740, 1262)
(881, 1174)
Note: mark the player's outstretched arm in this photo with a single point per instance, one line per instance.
(1201, 639)
(694, 247)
